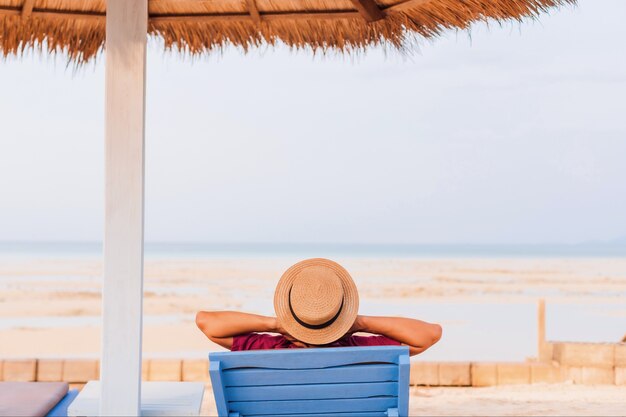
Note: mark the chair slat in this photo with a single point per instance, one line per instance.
(308, 358)
(312, 391)
(344, 374)
(357, 405)
(359, 414)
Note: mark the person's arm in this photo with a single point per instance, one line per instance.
(221, 326)
(416, 334)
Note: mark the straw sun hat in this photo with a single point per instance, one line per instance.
(316, 301)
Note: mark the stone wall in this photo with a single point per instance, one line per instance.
(559, 362)
(578, 363)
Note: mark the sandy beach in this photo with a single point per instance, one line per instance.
(528, 400)
(51, 308)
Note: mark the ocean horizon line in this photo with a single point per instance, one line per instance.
(255, 249)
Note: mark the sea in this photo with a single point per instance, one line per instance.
(200, 250)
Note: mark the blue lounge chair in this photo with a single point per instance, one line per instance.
(359, 381)
(50, 399)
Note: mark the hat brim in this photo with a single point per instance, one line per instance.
(338, 328)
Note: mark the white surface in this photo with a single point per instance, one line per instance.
(157, 399)
(126, 27)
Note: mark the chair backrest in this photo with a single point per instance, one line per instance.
(363, 381)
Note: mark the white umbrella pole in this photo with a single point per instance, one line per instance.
(126, 28)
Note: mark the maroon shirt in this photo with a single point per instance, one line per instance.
(258, 341)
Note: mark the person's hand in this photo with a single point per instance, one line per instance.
(278, 328)
(357, 326)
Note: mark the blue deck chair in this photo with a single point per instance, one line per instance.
(358, 381)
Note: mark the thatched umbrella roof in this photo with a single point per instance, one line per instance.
(197, 26)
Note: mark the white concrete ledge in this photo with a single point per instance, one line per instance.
(157, 399)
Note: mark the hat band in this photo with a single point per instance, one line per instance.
(314, 326)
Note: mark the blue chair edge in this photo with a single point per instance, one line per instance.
(60, 409)
(217, 355)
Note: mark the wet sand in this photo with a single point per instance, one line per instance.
(51, 308)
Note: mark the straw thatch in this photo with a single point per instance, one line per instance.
(196, 26)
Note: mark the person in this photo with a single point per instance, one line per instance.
(316, 304)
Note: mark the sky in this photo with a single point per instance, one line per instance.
(510, 134)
